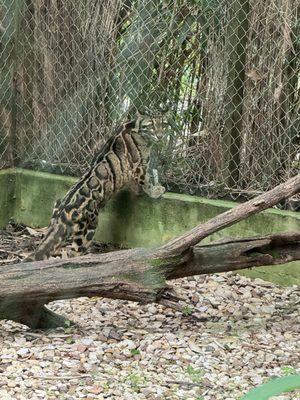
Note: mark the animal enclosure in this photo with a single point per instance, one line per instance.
(227, 71)
(156, 308)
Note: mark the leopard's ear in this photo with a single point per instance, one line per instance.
(57, 203)
(143, 112)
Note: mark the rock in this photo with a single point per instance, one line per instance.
(226, 355)
(4, 395)
(23, 351)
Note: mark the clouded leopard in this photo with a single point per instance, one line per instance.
(124, 159)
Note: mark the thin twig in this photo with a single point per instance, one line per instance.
(184, 383)
(61, 377)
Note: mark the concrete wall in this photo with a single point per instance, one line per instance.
(7, 195)
(133, 221)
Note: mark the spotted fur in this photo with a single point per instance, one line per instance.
(124, 159)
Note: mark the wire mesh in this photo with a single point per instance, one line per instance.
(228, 72)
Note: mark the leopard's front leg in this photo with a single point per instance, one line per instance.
(83, 236)
(150, 185)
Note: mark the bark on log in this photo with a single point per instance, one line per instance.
(136, 275)
(140, 274)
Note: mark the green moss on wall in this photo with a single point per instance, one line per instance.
(7, 196)
(36, 194)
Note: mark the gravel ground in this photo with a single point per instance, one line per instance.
(234, 335)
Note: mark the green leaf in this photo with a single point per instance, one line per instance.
(288, 370)
(274, 388)
(194, 374)
(135, 352)
(187, 310)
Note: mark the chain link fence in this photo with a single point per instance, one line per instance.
(228, 72)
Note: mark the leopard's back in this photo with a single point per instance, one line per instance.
(123, 159)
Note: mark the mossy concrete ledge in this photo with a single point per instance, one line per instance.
(7, 195)
(138, 221)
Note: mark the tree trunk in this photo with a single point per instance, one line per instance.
(237, 45)
(140, 274)
(9, 51)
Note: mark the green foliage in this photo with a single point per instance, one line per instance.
(187, 310)
(274, 387)
(135, 352)
(135, 381)
(106, 387)
(194, 374)
(68, 323)
(288, 370)
(70, 340)
(296, 164)
(151, 66)
(137, 49)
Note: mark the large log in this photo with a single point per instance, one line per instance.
(136, 275)
(140, 274)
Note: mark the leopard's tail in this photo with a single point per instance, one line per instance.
(53, 241)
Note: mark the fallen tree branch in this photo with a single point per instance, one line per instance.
(136, 275)
(228, 218)
(140, 274)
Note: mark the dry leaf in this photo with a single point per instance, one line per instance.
(95, 389)
(286, 30)
(32, 232)
(81, 348)
(254, 75)
(277, 92)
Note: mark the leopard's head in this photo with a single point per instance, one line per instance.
(149, 127)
